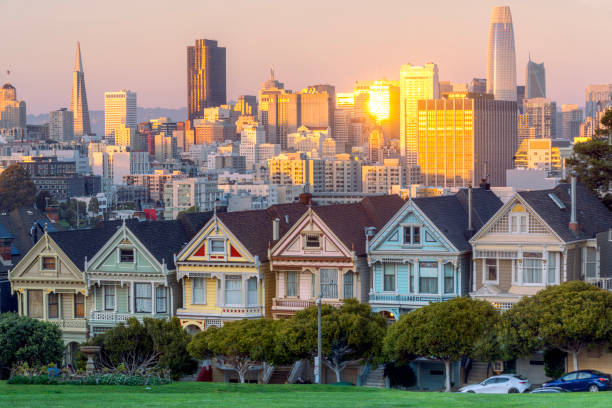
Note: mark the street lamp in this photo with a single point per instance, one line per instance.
(319, 345)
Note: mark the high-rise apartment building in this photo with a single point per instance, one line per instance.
(119, 109)
(317, 105)
(501, 58)
(125, 136)
(535, 80)
(382, 177)
(279, 111)
(165, 148)
(181, 194)
(61, 124)
(78, 101)
(343, 117)
(478, 85)
(541, 154)
(538, 120)
(466, 138)
(12, 111)
(246, 105)
(416, 83)
(598, 98)
(206, 77)
(571, 118)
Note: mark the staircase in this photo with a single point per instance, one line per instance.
(280, 375)
(376, 378)
(478, 372)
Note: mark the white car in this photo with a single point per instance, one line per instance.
(499, 384)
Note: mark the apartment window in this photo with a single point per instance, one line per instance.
(35, 305)
(389, 277)
(449, 278)
(161, 299)
(329, 283)
(217, 246)
(428, 277)
(532, 267)
(552, 268)
(142, 296)
(491, 270)
(198, 291)
(412, 235)
(48, 263)
(79, 305)
(291, 283)
(126, 255)
(233, 290)
(348, 285)
(109, 297)
(312, 241)
(252, 292)
(53, 304)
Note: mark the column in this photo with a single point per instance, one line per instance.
(153, 296)
(245, 300)
(132, 299)
(19, 303)
(45, 302)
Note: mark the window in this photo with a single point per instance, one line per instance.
(552, 267)
(161, 299)
(532, 267)
(53, 302)
(143, 299)
(518, 223)
(389, 277)
(313, 284)
(35, 305)
(590, 260)
(428, 277)
(252, 292)
(217, 246)
(198, 291)
(329, 283)
(126, 255)
(292, 283)
(491, 270)
(312, 241)
(411, 278)
(348, 285)
(412, 235)
(109, 297)
(570, 377)
(449, 278)
(79, 305)
(233, 290)
(48, 263)
(584, 376)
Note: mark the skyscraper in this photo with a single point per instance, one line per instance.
(12, 111)
(597, 99)
(61, 124)
(535, 80)
(318, 103)
(206, 77)
(416, 83)
(78, 101)
(501, 58)
(538, 120)
(571, 118)
(279, 111)
(119, 108)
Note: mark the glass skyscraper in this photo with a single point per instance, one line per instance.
(501, 59)
(535, 80)
(206, 77)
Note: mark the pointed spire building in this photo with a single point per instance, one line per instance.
(78, 102)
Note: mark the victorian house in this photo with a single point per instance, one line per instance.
(324, 254)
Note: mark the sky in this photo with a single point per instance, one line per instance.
(141, 45)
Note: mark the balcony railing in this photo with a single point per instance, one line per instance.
(72, 323)
(603, 283)
(242, 310)
(110, 316)
(408, 299)
(299, 304)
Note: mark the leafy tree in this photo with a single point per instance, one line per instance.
(570, 317)
(16, 188)
(94, 206)
(446, 331)
(42, 199)
(68, 212)
(242, 344)
(348, 333)
(554, 362)
(27, 340)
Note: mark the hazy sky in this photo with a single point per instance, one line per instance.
(141, 45)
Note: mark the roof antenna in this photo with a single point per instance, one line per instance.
(271, 72)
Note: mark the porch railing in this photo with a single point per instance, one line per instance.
(72, 323)
(396, 298)
(110, 316)
(299, 304)
(603, 283)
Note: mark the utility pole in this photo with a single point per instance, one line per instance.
(318, 362)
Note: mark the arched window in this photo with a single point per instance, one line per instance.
(349, 291)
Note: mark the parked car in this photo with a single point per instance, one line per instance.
(499, 384)
(548, 390)
(582, 380)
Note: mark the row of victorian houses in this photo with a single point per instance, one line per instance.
(210, 268)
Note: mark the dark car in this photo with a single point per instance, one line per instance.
(549, 390)
(582, 380)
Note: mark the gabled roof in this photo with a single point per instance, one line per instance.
(162, 239)
(78, 244)
(193, 222)
(450, 213)
(592, 215)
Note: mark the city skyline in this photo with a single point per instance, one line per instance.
(298, 53)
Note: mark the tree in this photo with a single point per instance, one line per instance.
(16, 188)
(348, 333)
(446, 331)
(570, 317)
(242, 344)
(42, 199)
(68, 212)
(94, 206)
(27, 340)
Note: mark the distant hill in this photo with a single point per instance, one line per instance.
(96, 117)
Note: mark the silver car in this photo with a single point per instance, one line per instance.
(499, 384)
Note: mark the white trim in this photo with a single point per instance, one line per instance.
(485, 271)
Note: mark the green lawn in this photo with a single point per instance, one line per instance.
(269, 396)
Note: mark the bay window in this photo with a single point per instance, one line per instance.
(233, 290)
(532, 267)
(449, 278)
(109, 297)
(142, 295)
(428, 277)
(53, 303)
(348, 285)
(79, 305)
(389, 277)
(161, 299)
(252, 292)
(291, 283)
(491, 270)
(329, 283)
(198, 291)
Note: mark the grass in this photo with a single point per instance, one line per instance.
(212, 395)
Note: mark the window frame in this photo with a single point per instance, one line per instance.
(195, 301)
(485, 271)
(349, 274)
(312, 235)
(105, 295)
(437, 277)
(161, 300)
(452, 277)
(120, 255)
(210, 246)
(29, 303)
(515, 219)
(329, 285)
(233, 290)
(76, 305)
(42, 263)
(384, 275)
(293, 284)
(51, 295)
(249, 292)
(413, 228)
(136, 297)
(543, 269)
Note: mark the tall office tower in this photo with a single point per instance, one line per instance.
(12, 111)
(416, 83)
(501, 58)
(597, 99)
(125, 136)
(478, 85)
(445, 87)
(375, 147)
(78, 101)
(119, 109)
(318, 103)
(520, 97)
(206, 77)
(384, 107)
(535, 80)
(61, 124)
(345, 106)
(538, 120)
(279, 111)
(571, 118)
(465, 138)
(246, 105)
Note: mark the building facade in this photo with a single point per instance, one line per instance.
(535, 80)
(61, 124)
(78, 100)
(206, 77)
(119, 109)
(501, 55)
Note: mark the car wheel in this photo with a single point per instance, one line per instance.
(513, 391)
(593, 388)
(471, 392)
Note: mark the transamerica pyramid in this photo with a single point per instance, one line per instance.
(78, 102)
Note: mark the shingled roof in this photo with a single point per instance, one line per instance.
(81, 244)
(162, 239)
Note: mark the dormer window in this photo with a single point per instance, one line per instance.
(312, 241)
(217, 246)
(48, 263)
(412, 235)
(519, 220)
(126, 255)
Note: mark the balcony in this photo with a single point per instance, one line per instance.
(299, 304)
(408, 299)
(110, 317)
(238, 311)
(68, 324)
(602, 283)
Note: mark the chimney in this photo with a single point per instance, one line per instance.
(470, 228)
(275, 229)
(306, 198)
(573, 224)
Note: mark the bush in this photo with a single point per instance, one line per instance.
(554, 362)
